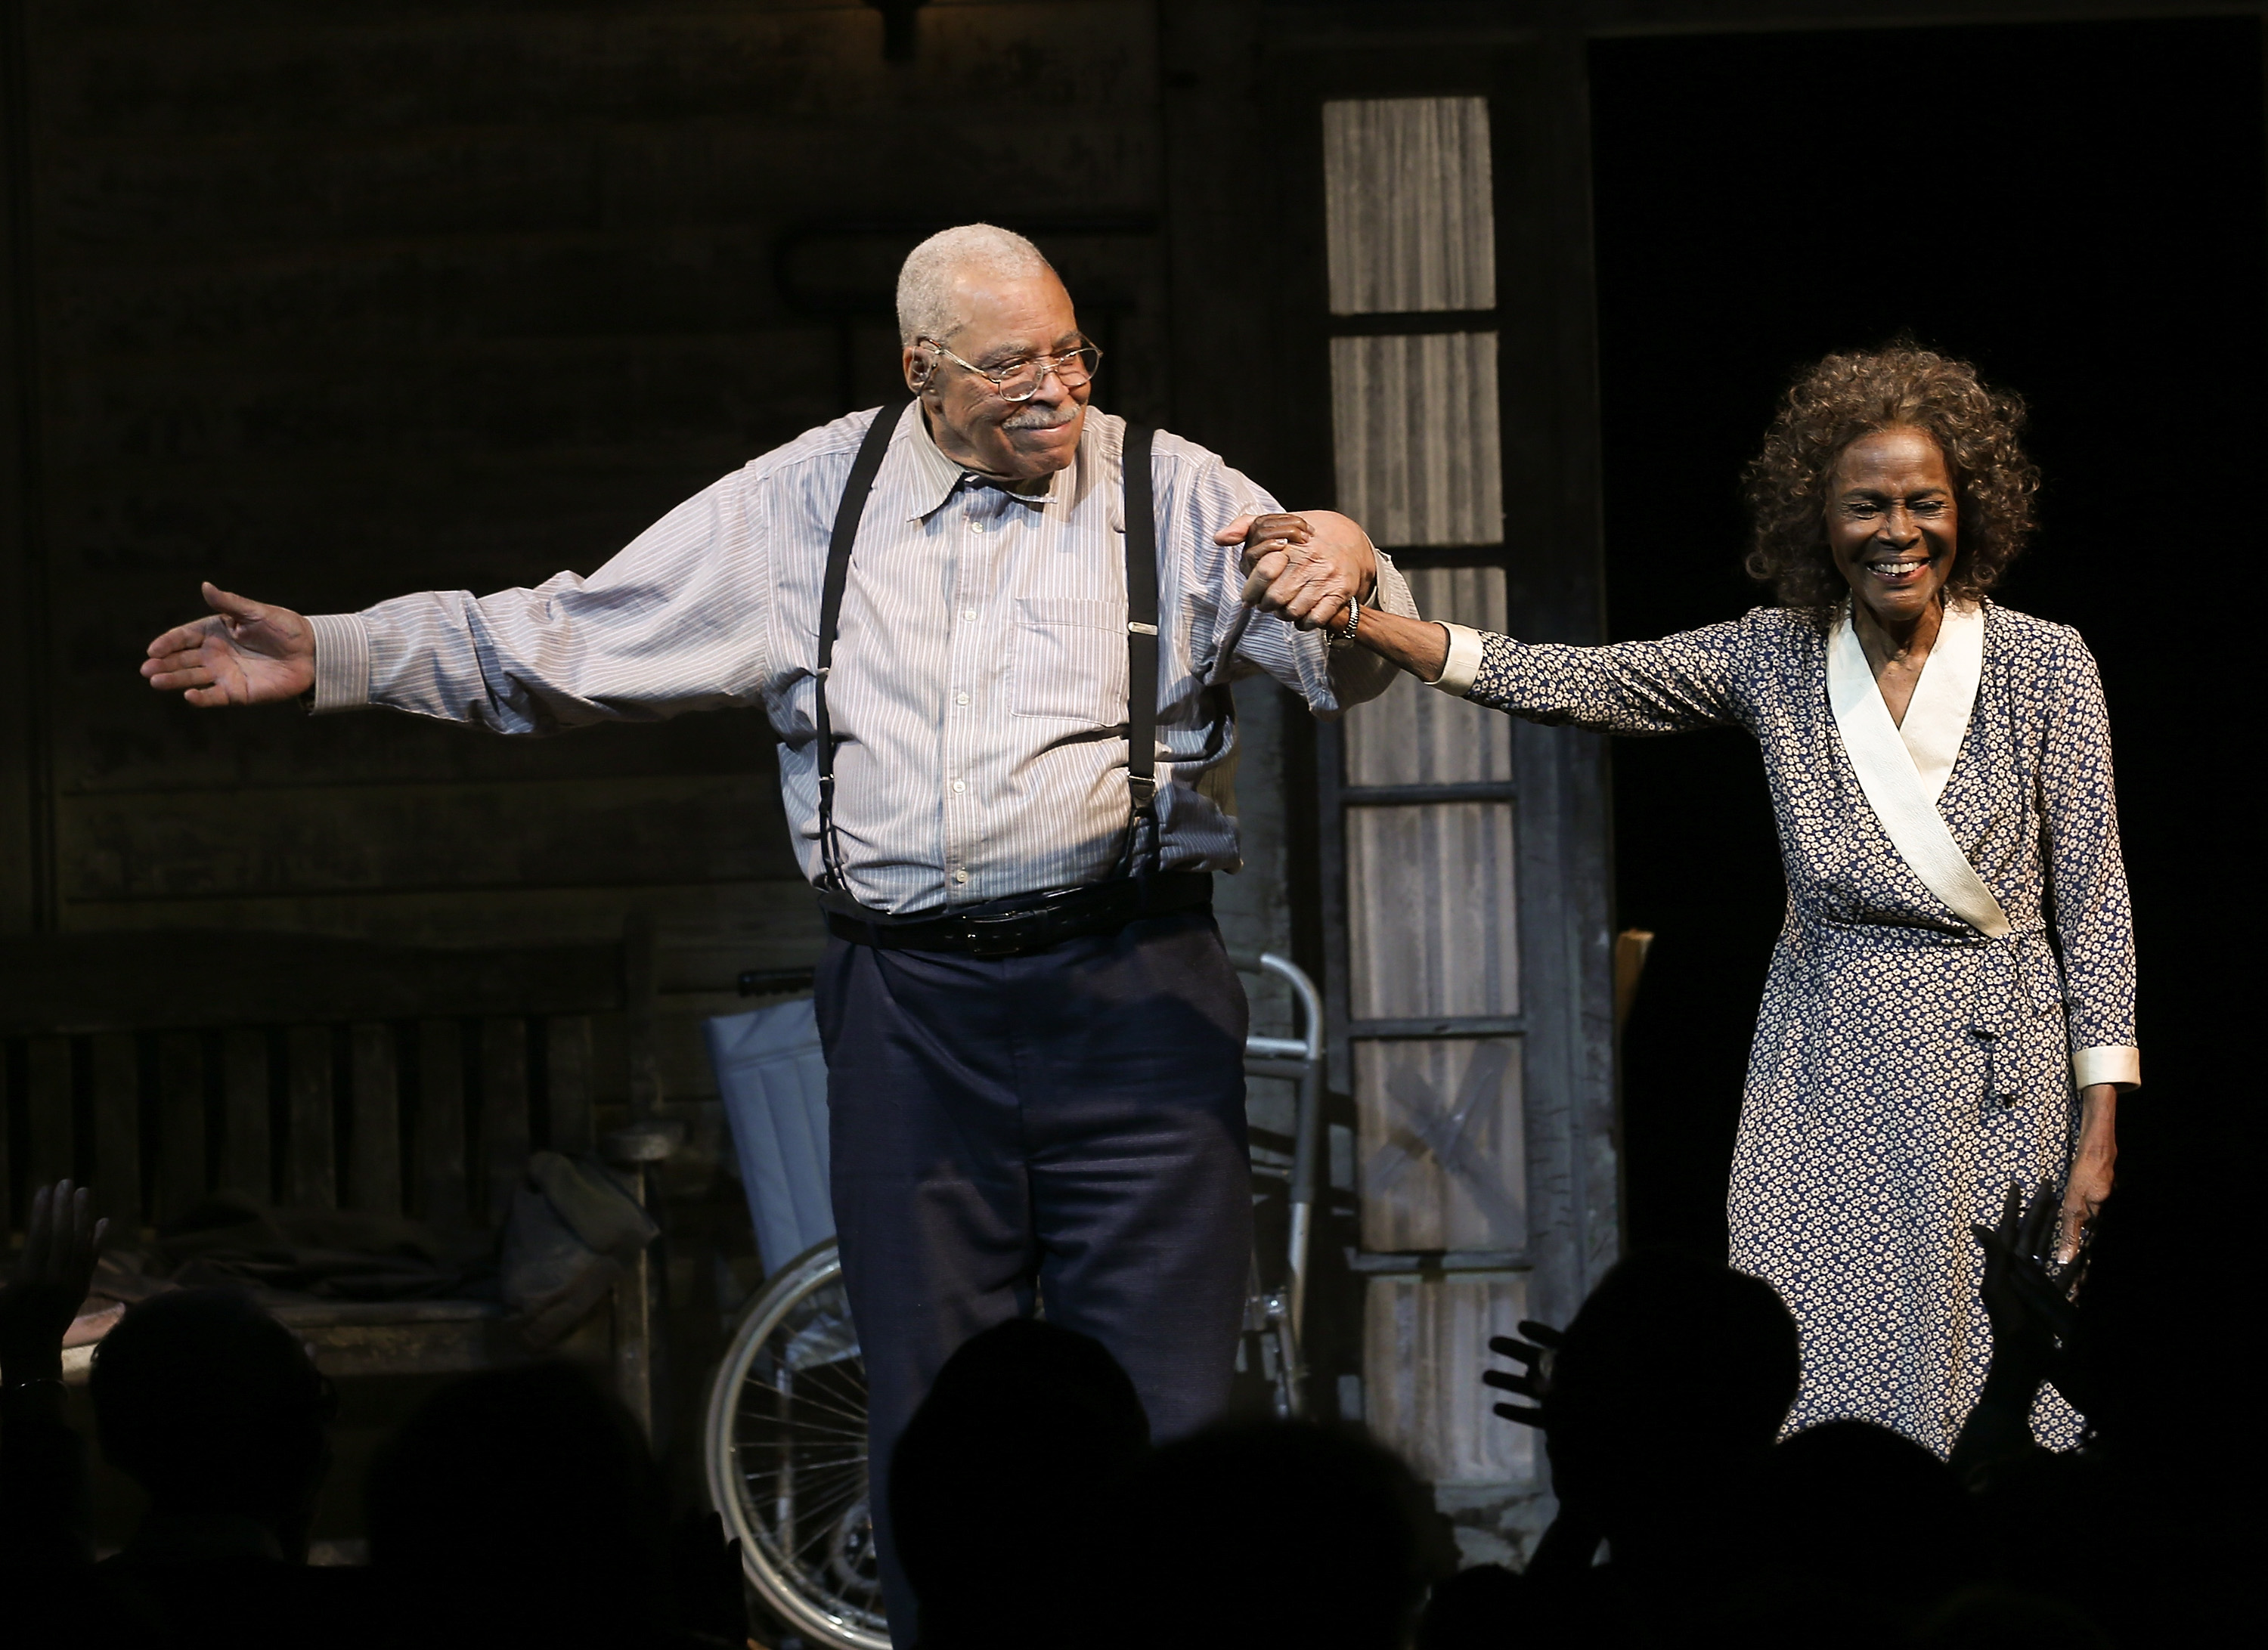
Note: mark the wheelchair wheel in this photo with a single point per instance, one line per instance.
(786, 1454)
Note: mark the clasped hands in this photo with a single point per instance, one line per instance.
(1307, 567)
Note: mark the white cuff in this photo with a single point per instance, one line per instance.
(342, 663)
(2120, 1065)
(1464, 662)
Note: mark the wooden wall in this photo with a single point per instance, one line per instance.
(328, 304)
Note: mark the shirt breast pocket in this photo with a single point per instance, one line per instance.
(1068, 660)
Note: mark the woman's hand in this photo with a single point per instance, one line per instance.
(2090, 1167)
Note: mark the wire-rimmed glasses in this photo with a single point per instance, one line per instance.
(1021, 381)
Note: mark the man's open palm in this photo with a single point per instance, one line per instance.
(245, 654)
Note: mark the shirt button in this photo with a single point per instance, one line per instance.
(976, 527)
(960, 698)
(959, 785)
(968, 613)
(959, 878)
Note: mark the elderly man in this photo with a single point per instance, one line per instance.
(1006, 743)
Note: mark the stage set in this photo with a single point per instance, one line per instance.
(1222, 560)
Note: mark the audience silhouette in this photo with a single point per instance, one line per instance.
(209, 1406)
(1001, 1482)
(1658, 1407)
(523, 1506)
(215, 1409)
(1264, 1533)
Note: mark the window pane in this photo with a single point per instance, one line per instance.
(1414, 430)
(1412, 735)
(1425, 1343)
(1431, 918)
(1441, 1148)
(1406, 198)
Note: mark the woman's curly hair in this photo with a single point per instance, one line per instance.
(1848, 396)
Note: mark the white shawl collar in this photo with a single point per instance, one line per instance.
(1903, 770)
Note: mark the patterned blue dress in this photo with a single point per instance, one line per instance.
(1906, 1068)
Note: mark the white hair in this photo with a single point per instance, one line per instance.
(926, 302)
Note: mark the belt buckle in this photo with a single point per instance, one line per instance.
(994, 936)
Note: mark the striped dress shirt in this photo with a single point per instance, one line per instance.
(978, 693)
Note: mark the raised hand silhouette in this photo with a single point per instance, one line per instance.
(49, 1282)
(247, 652)
(1534, 1381)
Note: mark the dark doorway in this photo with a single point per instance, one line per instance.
(2080, 210)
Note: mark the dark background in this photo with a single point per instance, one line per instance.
(2077, 209)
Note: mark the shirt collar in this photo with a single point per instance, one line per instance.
(936, 475)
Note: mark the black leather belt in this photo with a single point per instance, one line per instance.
(1008, 928)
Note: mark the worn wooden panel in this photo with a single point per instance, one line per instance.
(1432, 919)
(503, 1136)
(48, 1137)
(1440, 1145)
(248, 1164)
(1425, 1345)
(117, 1179)
(780, 920)
(115, 981)
(9, 1099)
(311, 1176)
(1410, 221)
(1412, 735)
(440, 1124)
(571, 1081)
(311, 840)
(403, 1342)
(10, 1057)
(179, 1183)
(374, 1155)
(1415, 438)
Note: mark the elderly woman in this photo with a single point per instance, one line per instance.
(1951, 1004)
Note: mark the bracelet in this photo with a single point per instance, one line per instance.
(1340, 639)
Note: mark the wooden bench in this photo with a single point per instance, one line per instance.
(314, 1072)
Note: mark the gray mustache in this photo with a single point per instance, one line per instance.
(1041, 418)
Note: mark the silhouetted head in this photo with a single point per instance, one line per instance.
(999, 1485)
(521, 1505)
(214, 1408)
(1672, 1381)
(1273, 1534)
(1868, 1515)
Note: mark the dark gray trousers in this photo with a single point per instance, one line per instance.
(1067, 1125)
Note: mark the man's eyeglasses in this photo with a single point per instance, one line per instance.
(1021, 381)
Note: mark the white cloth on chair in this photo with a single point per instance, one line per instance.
(772, 1075)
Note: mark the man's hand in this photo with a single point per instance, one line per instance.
(1305, 567)
(49, 1282)
(246, 655)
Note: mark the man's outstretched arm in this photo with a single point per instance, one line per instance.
(244, 652)
(678, 621)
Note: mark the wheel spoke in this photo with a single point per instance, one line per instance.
(798, 1399)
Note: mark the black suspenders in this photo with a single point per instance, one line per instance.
(1141, 653)
(1141, 642)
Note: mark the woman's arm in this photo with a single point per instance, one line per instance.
(1420, 646)
(1689, 680)
(2088, 901)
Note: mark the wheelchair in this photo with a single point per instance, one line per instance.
(785, 1443)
